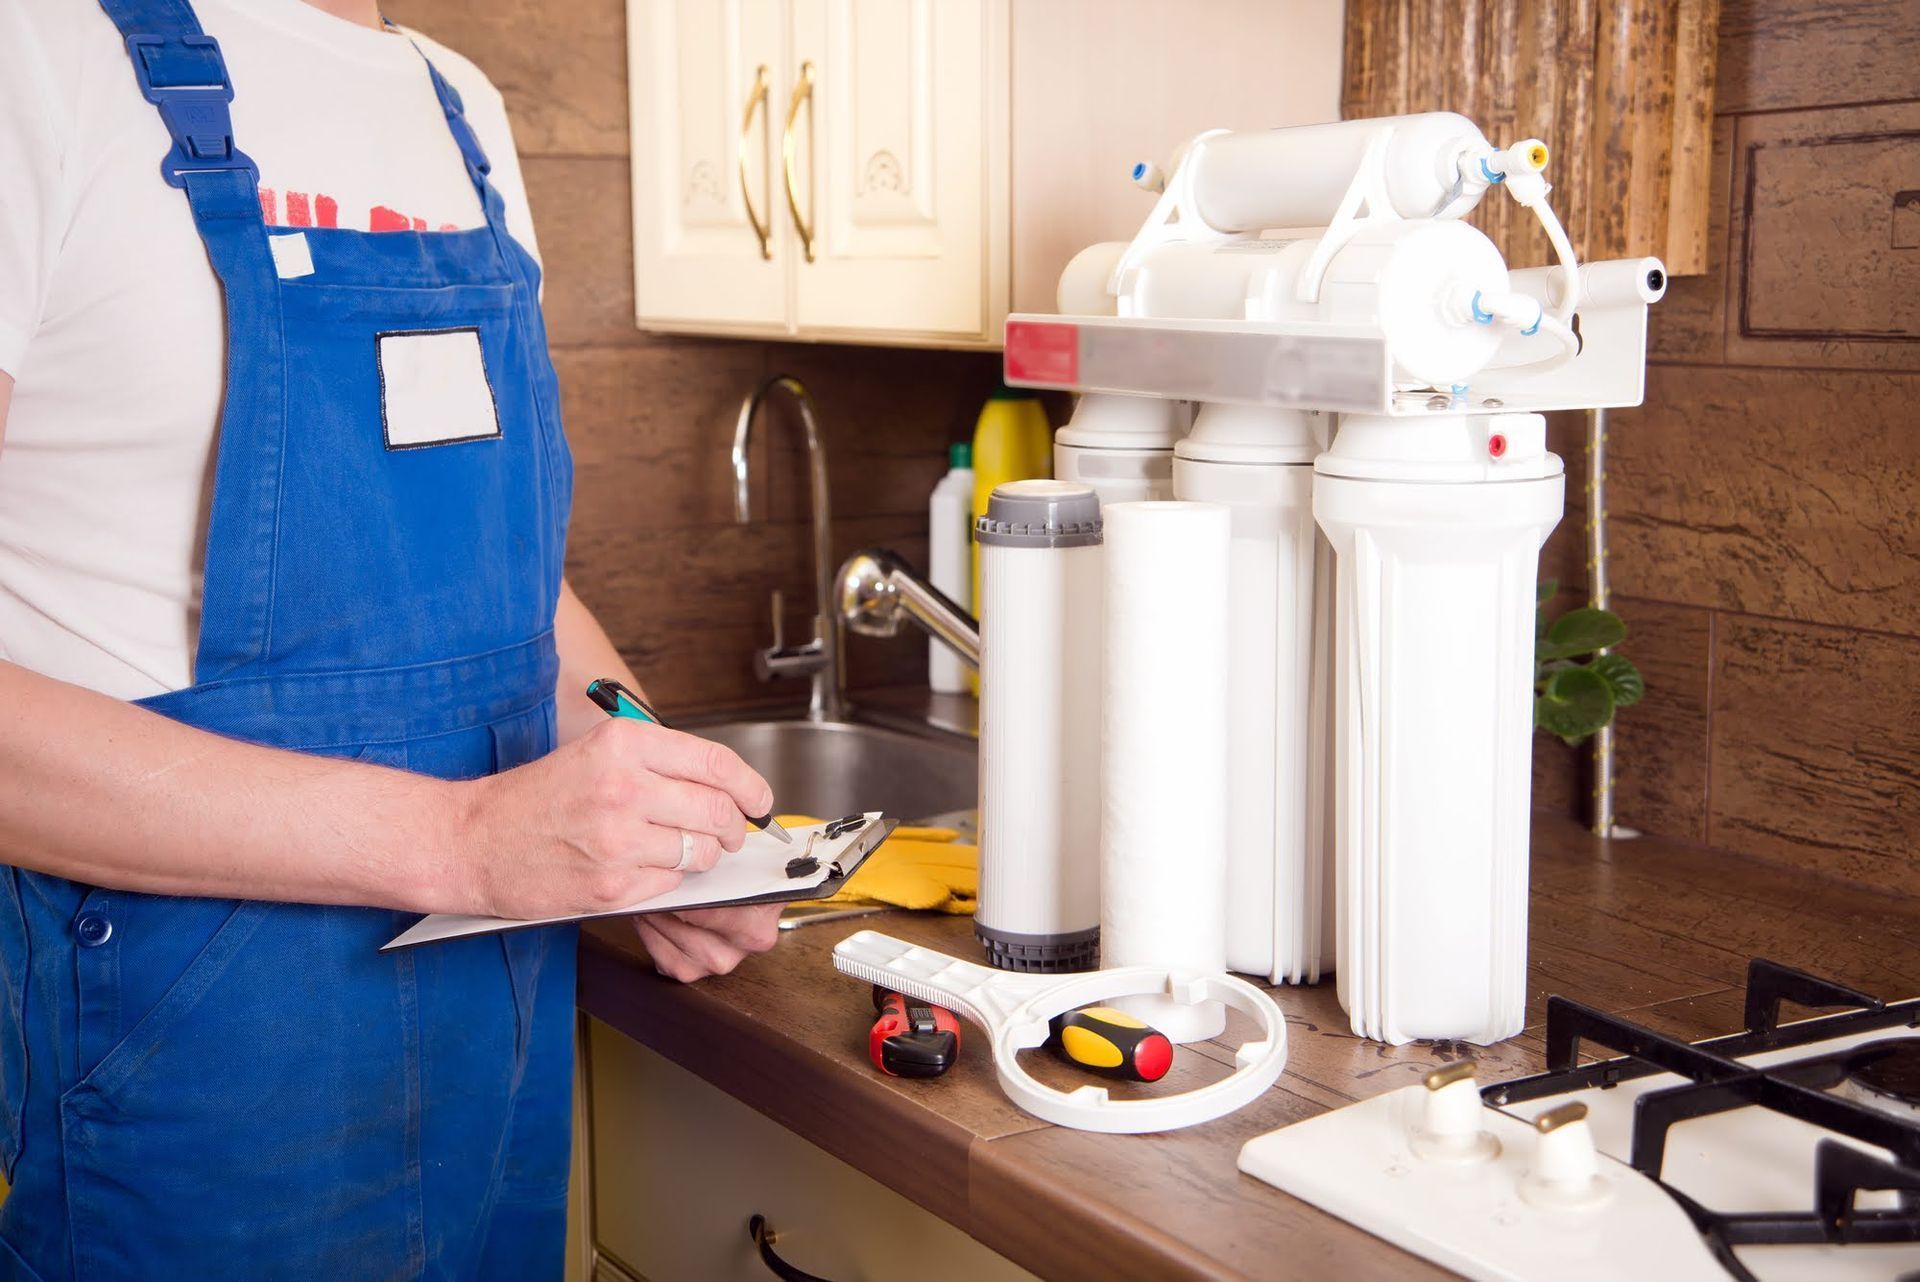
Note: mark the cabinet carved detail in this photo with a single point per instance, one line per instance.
(884, 172)
(1621, 90)
(703, 186)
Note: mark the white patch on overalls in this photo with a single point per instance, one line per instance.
(292, 256)
(434, 388)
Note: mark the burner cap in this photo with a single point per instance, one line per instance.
(1887, 1069)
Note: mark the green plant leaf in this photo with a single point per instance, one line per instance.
(1582, 631)
(1544, 590)
(1622, 678)
(1573, 703)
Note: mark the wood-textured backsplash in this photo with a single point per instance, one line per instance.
(1765, 500)
(1620, 90)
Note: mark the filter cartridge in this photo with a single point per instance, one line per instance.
(1040, 587)
(1163, 749)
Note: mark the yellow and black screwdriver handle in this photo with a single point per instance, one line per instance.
(1112, 1043)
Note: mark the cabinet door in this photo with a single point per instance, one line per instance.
(900, 174)
(698, 68)
(680, 1167)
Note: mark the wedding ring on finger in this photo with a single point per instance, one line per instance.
(686, 851)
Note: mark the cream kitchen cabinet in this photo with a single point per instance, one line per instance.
(702, 83)
(678, 1169)
(823, 168)
(908, 171)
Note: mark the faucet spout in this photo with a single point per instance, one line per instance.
(878, 588)
(821, 656)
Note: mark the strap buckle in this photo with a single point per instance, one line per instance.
(186, 78)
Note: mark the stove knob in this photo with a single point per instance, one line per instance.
(1566, 1167)
(1449, 1128)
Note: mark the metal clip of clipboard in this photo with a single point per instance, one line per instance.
(845, 864)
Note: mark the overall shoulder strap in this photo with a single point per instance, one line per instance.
(180, 71)
(475, 156)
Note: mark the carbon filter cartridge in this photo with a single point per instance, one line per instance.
(1041, 587)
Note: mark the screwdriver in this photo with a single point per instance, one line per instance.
(1112, 1043)
(616, 700)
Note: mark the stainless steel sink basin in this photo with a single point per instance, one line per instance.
(835, 768)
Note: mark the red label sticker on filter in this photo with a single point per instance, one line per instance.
(1043, 352)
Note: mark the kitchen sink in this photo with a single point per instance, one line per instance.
(831, 768)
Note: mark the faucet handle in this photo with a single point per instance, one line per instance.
(779, 619)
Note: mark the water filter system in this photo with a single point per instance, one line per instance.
(1306, 339)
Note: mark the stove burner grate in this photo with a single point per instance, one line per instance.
(1887, 1072)
(1718, 1081)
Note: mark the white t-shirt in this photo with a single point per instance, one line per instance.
(111, 319)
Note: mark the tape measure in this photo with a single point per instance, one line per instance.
(912, 1038)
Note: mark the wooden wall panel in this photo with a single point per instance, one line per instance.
(1661, 743)
(1779, 492)
(1826, 239)
(1690, 323)
(879, 458)
(1766, 498)
(583, 222)
(562, 65)
(1622, 90)
(1815, 735)
(1781, 54)
(649, 427)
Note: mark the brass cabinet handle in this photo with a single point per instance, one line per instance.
(802, 96)
(757, 100)
(763, 1239)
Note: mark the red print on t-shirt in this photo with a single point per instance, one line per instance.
(319, 210)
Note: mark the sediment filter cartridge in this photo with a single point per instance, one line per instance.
(1163, 751)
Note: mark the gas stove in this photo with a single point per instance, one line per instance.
(1782, 1153)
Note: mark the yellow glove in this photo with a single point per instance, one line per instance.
(920, 868)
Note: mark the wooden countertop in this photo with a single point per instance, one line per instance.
(1650, 926)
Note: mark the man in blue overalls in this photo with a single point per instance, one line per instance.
(266, 694)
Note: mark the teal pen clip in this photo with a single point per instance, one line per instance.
(618, 701)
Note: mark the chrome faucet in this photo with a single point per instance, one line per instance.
(820, 656)
(877, 587)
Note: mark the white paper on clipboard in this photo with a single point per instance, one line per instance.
(756, 873)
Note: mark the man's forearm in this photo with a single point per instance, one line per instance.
(586, 653)
(110, 794)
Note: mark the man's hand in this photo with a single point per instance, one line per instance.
(707, 941)
(600, 823)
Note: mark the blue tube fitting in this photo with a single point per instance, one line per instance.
(1482, 317)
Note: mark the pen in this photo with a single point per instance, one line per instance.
(618, 701)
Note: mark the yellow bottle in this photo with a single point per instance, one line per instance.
(1012, 441)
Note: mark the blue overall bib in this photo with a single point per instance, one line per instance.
(199, 1088)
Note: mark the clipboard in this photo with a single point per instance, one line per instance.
(755, 874)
